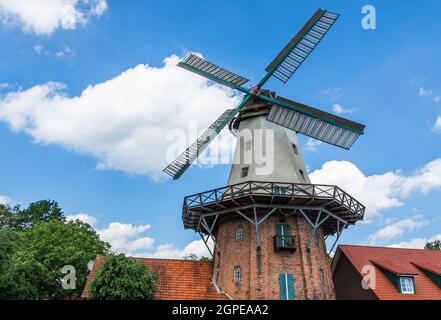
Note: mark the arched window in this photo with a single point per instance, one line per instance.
(239, 233)
(322, 277)
(237, 275)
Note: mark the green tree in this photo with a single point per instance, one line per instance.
(44, 250)
(122, 278)
(10, 240)
(40, 211)
(434, 245)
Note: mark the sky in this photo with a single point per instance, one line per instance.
(90, 99)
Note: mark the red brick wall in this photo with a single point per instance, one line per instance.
(261, 267)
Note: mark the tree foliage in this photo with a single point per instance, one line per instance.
(122, 278)
(35, 244)
(434, 245)
(20, 219)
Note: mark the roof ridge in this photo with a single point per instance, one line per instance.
(381, 247)
(171, 259)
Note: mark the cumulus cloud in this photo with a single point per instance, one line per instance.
(133, 241)
(5, 200)
(125, 237)
(84, 217)
(125, 122)
(171, 251)
(416, 243)
(43, 17)
(381, 191)
(397, 229)
(339, 109)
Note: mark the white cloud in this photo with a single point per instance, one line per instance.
(5, 200)
(123, 122)
(43, 17)
(381, 191)
(397, 229)
(131, 240)
(437, 99)
(416, 243)
(337, 108)
(312, 144)
(66, 52)
(84, 217)
(424, 92)
(125, 237)
(171, 251)
(437, 124)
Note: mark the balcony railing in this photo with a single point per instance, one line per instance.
(284, 243)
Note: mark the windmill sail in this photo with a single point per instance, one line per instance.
(315, 123)
(298, 49)
(181, 163)
(196, 64)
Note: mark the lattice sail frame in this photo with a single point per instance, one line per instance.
(299, 48)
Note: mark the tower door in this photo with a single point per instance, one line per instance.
(286, 286)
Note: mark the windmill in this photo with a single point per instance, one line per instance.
(295, 116)
(269, 231)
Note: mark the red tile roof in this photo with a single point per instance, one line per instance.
(400, 268)
(178, 279)
(399, 261)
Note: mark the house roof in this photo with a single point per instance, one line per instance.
(178, 279)
(400, 262)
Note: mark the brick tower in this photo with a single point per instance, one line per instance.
(269, 224)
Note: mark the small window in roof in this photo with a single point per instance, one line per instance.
(407, 285)
(245, 171)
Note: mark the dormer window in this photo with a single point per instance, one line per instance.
(407, 285)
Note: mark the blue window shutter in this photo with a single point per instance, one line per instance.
(290, 281)
(282, 280)
(285, 230)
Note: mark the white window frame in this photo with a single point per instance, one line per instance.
(237, 275)
(407, 285)
(239, 233)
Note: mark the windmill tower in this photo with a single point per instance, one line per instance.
(269, 224)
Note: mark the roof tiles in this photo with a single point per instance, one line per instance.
(178, 279)
(400, 261)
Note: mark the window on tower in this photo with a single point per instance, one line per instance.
(322, 277)
(245, 171)
(239, 233)
(237, 275)
(294, 147)
(302, 174)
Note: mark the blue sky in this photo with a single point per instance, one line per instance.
(388, 78)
